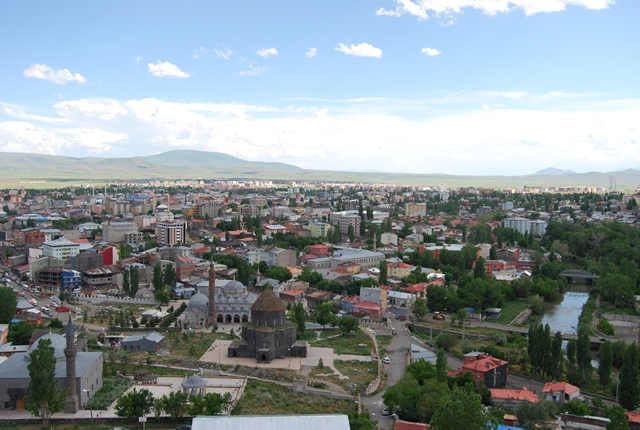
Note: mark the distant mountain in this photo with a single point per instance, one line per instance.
(552, 171)
(50, 171)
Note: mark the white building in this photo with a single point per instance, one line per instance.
(171, 232)
(60, 249)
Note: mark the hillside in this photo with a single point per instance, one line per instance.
(48, 171)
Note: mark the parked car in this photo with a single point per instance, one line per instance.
(438, 316)
(386, 411)
(386, 360)
(403, 317)
(393, 331)
(184, 427)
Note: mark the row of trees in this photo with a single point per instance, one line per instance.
(139, 403)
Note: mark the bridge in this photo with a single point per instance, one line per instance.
(582, 275)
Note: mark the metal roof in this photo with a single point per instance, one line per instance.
(272, 422)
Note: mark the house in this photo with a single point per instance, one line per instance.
(399, 299)
(347, 303)
(511, 399)
(366, 308)
(406, 425)
(560, 392)
(420, 353)
(634, 419)
(399, 270)
(150, 342)
(281, 422)
(291, 297)
(490, 370)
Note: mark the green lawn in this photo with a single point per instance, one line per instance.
(510, 310)
(356, 344)
(264, 398)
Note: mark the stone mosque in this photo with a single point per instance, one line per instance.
(231, 304)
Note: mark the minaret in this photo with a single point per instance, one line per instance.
(71, 404)
(212, 295)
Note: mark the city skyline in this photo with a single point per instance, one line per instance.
(456, 87)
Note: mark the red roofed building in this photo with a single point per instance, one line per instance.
(399, 270)
(319, 250)
(634, 419)
(406, 425)
(419, 290)
(291, 296)
(511, 399)
(560, 392)
(490, 370)
(491, 266)
(366, 308)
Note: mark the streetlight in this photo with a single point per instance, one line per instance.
(90, 405)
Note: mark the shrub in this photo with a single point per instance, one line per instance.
(446, 341)
(606, 327)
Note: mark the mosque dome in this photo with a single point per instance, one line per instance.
(58, 342)
(234, 286)
(194, 381)
(198, 300)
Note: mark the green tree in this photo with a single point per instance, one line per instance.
(629, 389)
(619, 420)
(441, 366)
(163, 295)
(493, 253)
(604, 367)
(126, 283)
(175, 404)
(8, 304)
(437, 298)
(479, 269)
(135, 280)
(534, 416)
(404, 397)
(361, 422)
(420, 307)
(325, 314)
(351, 233)
(384, 271)
(20, 333)
(348, 325)
(461, 410)
(210, 404)
(170, 278)
(134, 404)
(55, 323)
(583, 354)
(299, 317)
(432, 394)
(158, 278)
(282, 274)
(44, 397)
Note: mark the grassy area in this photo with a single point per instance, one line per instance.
(359, 372)
(264, 398)
(356, 344)
(112, 388)
(191, 345)
(510, 310)
(110, 368)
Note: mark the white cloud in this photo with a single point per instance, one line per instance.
(166, 70)
(199, 52)
(360, 50)
(267, 52)
(421, 9)
(312, 133)
(253, 71)
(311, 52)
(60, 76)
(431, 52)
(139, 58)
(224, 53)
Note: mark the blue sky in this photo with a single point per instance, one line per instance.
(453, 86)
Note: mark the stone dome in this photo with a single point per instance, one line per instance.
(234, 286)
(58, 342)
(194, 381)
(198, 300)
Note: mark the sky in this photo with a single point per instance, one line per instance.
(467, 87)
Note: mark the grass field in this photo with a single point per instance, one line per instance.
(191, 345)
(510, 310)
(356, 344)
(264, 398)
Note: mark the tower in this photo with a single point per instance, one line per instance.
(212, 296)
(71, 404)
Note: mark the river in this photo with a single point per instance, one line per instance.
(564, 316)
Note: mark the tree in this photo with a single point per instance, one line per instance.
(126, 284)
(606, 361)
(175, 404)
(461, 410)
(619, 420)
(300, 317)
(135, 280)
(629, 394)
(441, 366)
(20, 333)
(163, 295)
(479, 269)
(282, 274)
(493, 253)
(325, 315)
(157, 280)
(55, 323)
(134, 404)
(44, 397)
(351, 233)
(210, 404)
(404, 397)
(361, 422)
(436, 298)
(384, 270)
(170, 278)
(420, 307)
(536, 415)
(583, 354)
(8, 304)
(348, 325)
(432, 393)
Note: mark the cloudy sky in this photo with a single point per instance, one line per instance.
(422, 86)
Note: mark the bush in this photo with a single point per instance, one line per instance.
(606, 327)
(446, 341)
(500, 339)
(537, 305)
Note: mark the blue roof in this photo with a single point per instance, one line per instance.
(506, 427)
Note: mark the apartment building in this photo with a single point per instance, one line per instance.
(415, 209)
(171, 232)
(60, 249)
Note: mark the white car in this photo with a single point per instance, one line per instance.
(386, 360)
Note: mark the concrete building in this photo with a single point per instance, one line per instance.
(523, 225)
(375, 295)
(115, 232)
(415, 209)
(366, 259)
(171, 232)
(60, 249)
(348, 220)
(278, 257)
(150, 342)
(319, 229)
